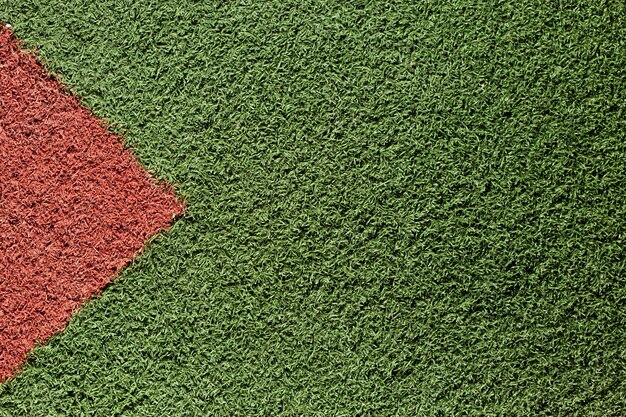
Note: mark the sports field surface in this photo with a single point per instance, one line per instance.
(75, 206)
(393, 208)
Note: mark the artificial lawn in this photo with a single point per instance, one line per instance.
(394, 208)
(75, 206)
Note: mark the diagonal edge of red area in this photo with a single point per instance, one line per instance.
(75, 205)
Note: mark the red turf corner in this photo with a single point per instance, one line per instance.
(75, 207)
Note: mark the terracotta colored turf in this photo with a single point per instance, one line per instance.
(75, 206)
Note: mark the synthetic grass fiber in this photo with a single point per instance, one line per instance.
(75, 207)
(395, 208)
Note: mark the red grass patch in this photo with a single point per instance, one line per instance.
(75, 206)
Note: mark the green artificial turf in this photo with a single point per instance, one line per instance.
(396, 208)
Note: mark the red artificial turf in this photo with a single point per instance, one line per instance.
(75, 206)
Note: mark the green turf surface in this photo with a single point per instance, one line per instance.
(396, 208)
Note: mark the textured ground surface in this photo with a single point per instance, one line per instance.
(74, 206)
(395, 208)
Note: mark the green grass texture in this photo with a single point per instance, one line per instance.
(395, 208)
